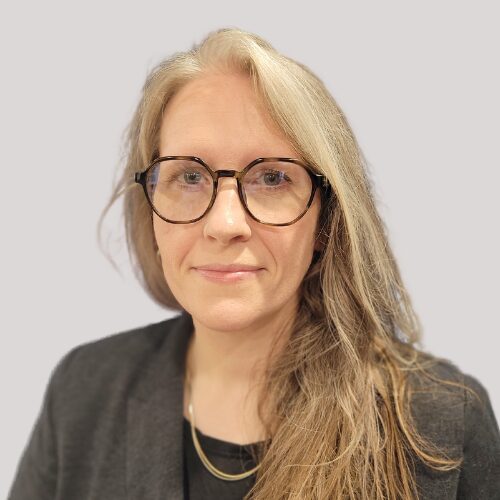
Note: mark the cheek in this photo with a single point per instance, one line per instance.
(293, 250)
(172, 243)
(161, 233)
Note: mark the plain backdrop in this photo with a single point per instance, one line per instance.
(419, 84)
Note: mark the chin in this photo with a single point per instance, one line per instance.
(227, 316)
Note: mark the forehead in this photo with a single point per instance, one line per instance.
(219, 117)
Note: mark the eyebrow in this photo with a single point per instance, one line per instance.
(226, 165)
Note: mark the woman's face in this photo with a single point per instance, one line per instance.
(218, 118)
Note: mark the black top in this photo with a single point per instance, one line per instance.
(232, 458)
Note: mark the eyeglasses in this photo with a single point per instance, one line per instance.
(273, 191)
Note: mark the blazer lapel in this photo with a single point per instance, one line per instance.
(155, 420)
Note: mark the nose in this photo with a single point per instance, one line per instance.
(227, 220)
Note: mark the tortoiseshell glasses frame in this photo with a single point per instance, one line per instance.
(317, 181)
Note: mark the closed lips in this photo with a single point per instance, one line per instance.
(231, 268)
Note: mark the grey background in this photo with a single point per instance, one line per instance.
(419, 84)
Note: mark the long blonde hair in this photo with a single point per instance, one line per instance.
(338, 392)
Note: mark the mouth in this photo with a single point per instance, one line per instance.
(228, 268)
(228, 276)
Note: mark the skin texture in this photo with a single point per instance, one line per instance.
(219, 118)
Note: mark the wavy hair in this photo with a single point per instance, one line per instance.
(337, 397)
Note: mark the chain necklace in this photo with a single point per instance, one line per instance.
(204, 459)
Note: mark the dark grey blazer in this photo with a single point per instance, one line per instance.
(111, 425)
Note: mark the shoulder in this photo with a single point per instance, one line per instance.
(442, 380)
(120, 350)
(453, 410)
(95, 373)
(442, 394)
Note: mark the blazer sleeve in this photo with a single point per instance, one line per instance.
(480, 472)
(36, 474)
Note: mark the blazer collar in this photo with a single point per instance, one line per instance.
(154, 460)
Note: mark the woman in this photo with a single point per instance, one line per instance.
(293, 369)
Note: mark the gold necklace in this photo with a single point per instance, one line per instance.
(204, 459)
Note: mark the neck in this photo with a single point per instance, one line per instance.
(226, 369)
(236, 359)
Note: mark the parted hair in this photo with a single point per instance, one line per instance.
(336, 398)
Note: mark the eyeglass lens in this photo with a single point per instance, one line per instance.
(275, 192)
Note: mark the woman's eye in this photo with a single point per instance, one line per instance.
(192, 177)
(274, 178)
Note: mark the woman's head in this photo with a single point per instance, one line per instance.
(295, 109)
(219, 118)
